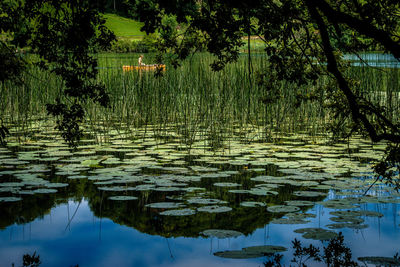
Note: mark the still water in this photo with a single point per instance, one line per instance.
(148, 203)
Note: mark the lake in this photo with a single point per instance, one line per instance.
(191, 168)
(59, 203)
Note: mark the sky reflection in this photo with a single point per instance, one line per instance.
(91, 241)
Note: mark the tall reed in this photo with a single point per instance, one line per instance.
(190, 103)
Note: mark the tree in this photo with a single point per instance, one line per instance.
(64, 35)
(304, 40)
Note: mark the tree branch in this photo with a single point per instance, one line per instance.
(343, 85)
(361, 26)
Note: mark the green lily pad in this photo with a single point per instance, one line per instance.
(347, 219)
(380, 261)
(239, 191)
(122, 198)
(168, 189)
(259, 191)
(214, 209)
(290, 221)
(238, 254)
(227, 184)
(267, 249)
(282, 208)
(56, 185)
(316, 233)
(10, 199)
(367, 213)
(356, 226)
(337, 204)
(11, 184)
(205, 201)
(165, 205)
(299, 203)
(219, 233)
(74, 177)
(252, 204)
(45, 191)
(182, 212)
(309, 193)
(250, 252)
(116, 188)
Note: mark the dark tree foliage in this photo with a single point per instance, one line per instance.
(304, 40)
(31, 260)
(64, 34)
(335, 254)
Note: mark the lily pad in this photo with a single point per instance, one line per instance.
(214, 209)
(290, 220)
(10, 199)
(219, 233)
(122, 198)
(252, 204)
(309, 193)
(56, 185)
(205, 201)
(347, 225)
(238, 254)
(165, 205)
(250, 252)
(299, 203)
(380, 261)
(182, 212)
(316, 233)
(337, 204)
(367, 213)
(282, 208)
(45, 191)
(267, 249)
(227, 184)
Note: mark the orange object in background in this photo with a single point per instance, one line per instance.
(148, 67)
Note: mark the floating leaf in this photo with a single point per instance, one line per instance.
(227, 184)
(309, 194)
(267, 249)
(252, 204)
(205, 201)
(214, 209)
(290, 221)
(122, 198)
(282, 208)
(380, 261)
(299, 203)
(182, 212)
(219, 233)
(10, 199)
(165, 205)
(238, 254)
(45, 191)
(316, 233)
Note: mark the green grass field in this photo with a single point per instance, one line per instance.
(124, 27)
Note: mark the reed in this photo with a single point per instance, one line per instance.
(191, 102)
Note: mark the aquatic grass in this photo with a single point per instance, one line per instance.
(190, 104)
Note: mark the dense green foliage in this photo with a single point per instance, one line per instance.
(303, 39)
(63, 35)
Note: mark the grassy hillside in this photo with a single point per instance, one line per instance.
(124, 27)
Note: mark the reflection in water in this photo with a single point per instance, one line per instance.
(127, 246)
(81, 224)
